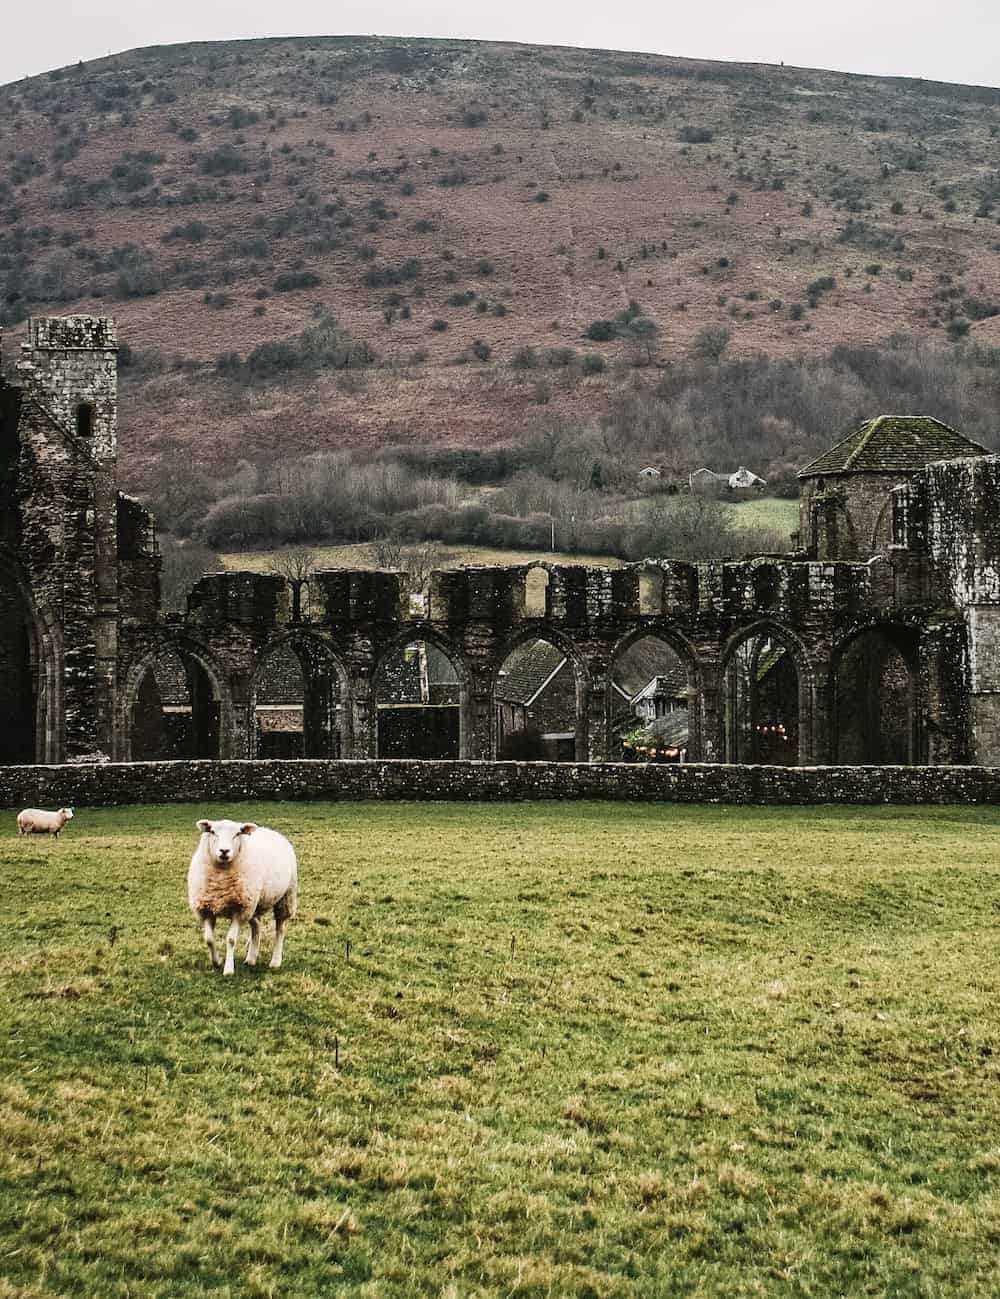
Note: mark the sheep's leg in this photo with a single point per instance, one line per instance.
(280, 921)
(253, 947)
(231, 937)
(209, 932)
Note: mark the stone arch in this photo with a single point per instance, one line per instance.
(210, 733)
(768, 696)
(316, 722)
(881, 539)
(31, 674)
(875, 697)
(684, 660)
(512, 715)
(440, 723)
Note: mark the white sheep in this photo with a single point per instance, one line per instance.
(33, 820)
(242, 871)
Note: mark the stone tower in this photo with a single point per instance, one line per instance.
(59, 569)
(846, 493)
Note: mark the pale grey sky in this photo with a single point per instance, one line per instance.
(956, 41)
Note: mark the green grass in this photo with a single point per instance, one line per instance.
(768, 512)
(578, 1050)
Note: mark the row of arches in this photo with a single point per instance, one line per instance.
(422, 701)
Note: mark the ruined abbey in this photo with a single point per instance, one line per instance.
(876, 640)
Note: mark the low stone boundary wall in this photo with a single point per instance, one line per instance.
(217, 783)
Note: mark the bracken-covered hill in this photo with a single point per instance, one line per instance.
(453, 203)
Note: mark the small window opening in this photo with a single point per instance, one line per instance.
(84, 419)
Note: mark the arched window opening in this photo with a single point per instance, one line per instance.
(766, 586)
(84, 419)
(175, 713)
(651, 591)
(298, 709)
(419, 702)
(17, 692)
(875, 703)
(762, 702)
(539, 705)
(536, 593)
(279, 705)
(651, 690)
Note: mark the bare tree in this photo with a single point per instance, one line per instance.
(421, 560)
(387, 552)
(296, 564)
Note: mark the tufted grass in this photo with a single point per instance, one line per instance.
(577, 1049)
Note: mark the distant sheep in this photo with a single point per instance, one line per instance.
(34, 821)
(241, 872)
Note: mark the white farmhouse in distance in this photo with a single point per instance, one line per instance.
(740, 481)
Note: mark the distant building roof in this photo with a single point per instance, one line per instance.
(744, 477)
(741, 477)
(529, 669)
(893, 442)
(672, 685)
(671, 730)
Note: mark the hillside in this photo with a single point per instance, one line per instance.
(454, 203)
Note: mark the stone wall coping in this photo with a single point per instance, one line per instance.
(354, 780)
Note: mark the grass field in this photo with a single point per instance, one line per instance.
(362, 555)
(769, 512)
(533, 1050)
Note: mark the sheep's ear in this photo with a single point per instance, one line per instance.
(248, 828)
(204, 826)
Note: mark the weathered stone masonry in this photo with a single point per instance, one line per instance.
(219, 783)
(878, 640)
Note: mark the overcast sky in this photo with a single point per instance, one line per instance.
(954, 41)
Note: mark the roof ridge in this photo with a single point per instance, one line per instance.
(829, 451)
(893, 443)
(872, 428)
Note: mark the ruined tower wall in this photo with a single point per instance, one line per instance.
(68, 494)
(847, 516)
(961, 501)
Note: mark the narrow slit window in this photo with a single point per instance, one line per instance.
(84, 419)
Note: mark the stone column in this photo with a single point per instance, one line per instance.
(709, 713)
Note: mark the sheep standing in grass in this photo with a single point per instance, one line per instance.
(241, 872)
(33, 820)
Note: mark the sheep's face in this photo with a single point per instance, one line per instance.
(66, 813)
(224, 839)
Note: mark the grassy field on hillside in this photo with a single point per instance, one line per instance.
(532, 1050)
(769, 512)
(766, 512)
(362, 555)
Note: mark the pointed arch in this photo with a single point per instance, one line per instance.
(414, 714)
(875, 696)
(542, 682)
(318, 711)
(31, 643)
(685, 657)
(769, 696)
(211, 729)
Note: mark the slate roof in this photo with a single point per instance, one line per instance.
(673, 684)
(646, 659)
(670, 730)
(527, 670)
(893, 442)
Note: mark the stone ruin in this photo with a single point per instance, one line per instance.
(876, 641)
